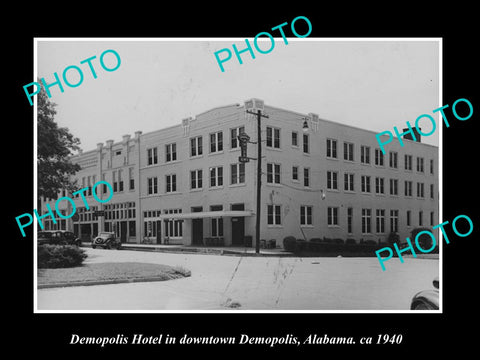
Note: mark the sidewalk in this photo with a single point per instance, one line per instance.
(223, 250)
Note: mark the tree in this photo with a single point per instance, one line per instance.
(55, 145)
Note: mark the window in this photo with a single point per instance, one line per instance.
(432, 220)
(173, 227)
(273, 137)
(365, 154)
(170, 152)
(216, 142)
(394, 187)
(216, 176)
(152, 156)
(331, 148)
(171, 183)
(431, 166)
(305, 215)
(348, 151)
(104, 185)
(332, 216)
(196, 146)
(306, 145)
(366, 221)
(234, 143)
(306, 177)
(420, 164)
(378, 157)
(217, 223)
(332, 180)
(380, 221)
(89, 191)
(409, 218)
(408, 188)
(365, 183)
(295, 173)
(349, 220)
(120, 180)
(348, 182)
(394, 221)
(420, 218)
(152, 186)
(196, 177)
(393, 159)
(237, 172)
(431, 192)
(408, 162)
(274, 215)
(420, 190)
(379, 185)
(131, 182)
(294, 138)
(273, 173)
(131, 228)
(114, 178)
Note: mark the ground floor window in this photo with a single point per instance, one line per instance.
(216, 223)
(173, 227)
(366, 221)
(305, 215)
(274, 215)
(394, 221)
(380, 220)
(332, 216)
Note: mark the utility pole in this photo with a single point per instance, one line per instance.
(259, 175)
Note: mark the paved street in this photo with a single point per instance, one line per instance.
(255, 283)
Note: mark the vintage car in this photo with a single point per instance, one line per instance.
(426, 299)
(57, 237)
(106, 240)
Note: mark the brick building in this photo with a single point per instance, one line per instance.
(184, 184)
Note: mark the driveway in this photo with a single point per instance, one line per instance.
(252, 283)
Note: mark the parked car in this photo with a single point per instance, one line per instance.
(426, 299)
(106, 240)
(58, 237)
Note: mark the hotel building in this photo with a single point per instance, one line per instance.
(185, 185)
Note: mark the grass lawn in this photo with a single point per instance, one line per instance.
(108, 273)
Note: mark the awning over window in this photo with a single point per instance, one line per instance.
(203, 214)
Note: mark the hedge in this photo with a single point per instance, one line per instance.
(331, 247)
(60, 256)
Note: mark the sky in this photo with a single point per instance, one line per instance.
(371, 84)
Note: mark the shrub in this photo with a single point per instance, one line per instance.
(316, 240)
(425, 242)
(392, 238)
(300, 245)
(350, 242)
(59, 256)
(338, 241)
(289, 243)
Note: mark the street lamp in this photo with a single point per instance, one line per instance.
(305, 125)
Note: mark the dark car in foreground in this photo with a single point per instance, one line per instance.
(426, 299)
(57, 237)
(106, 240)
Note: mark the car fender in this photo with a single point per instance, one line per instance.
(429, 297)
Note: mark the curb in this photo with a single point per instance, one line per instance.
(102, 282)
(206, 251)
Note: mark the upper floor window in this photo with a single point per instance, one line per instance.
(196, 146)
(234, 143)
(273, 137)
(393, 159)
(294, 138)
(348, 151)
(216, 142)
(365, 154)
(378, 157)
(152, 158)
(273, 173)
(306, 143)
(332, 148)
(170, 152)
